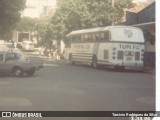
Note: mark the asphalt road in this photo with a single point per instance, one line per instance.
(63, 87)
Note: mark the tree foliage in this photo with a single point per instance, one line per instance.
(81, 14)
(74, 15)
(45, 32)
(26, 24)
(9, 15)
(41, 28)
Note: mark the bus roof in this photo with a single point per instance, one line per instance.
(92, 30)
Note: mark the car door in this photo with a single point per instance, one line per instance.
(10, 61)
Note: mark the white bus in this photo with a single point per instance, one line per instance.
(117, 46)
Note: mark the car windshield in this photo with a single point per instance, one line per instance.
(20, 56)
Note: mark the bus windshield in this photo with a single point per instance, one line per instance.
(127, 35)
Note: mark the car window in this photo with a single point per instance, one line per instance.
(1, 57)
(10, 57)
(19, 56)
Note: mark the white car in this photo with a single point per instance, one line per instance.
(27, 45)
(15, 50)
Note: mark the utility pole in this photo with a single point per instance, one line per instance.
(113, 13)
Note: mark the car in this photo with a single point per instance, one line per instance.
(16, 63)
(15, 50)
(27, 46)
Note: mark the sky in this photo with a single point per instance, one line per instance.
(35, 7)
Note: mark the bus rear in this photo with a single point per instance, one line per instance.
(127, 47)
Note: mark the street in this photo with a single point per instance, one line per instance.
(60, 86)
(75, 59)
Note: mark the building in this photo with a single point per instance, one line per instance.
(39, 8)
(144, 18)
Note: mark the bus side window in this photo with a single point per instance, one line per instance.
(106, 35)
(89, 39)
(74, 39)
(97, 36)
(102, 36)
(78, 38)
(82, 38)
(86, 38)
(93, 37)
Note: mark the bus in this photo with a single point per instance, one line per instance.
(116, 46)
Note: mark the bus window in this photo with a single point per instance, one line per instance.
(93, 37)
(89, 37)
(97, 36)
(102, 36)
(82, 38)
(106, 35)
(78, 38)
(86, 37)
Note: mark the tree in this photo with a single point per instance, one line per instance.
(26, 24)
(10, 12)
(45, 32)
(82, 14)
(41, 28)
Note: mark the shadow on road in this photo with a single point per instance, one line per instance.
(102, 68)
(7, 75)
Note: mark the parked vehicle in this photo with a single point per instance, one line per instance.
(116, 46)
(16, 63)
(27, 45)
(15, 50)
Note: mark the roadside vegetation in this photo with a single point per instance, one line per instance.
(70, 15)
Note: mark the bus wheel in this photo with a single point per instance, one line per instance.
(94, 62)
(71, 59)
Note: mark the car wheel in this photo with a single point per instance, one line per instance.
(31, 72)
(18, 71)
